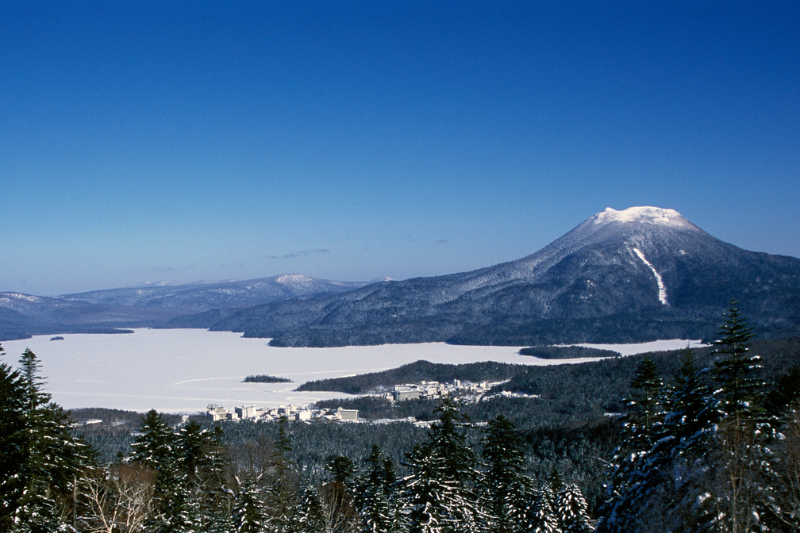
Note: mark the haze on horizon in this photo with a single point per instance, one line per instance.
(178, 141)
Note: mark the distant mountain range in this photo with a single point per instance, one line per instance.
(22, 315)
(639, 274)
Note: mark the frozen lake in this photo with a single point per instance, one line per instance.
(183, 370)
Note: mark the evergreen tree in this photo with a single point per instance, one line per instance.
(12, 442)
(174, 510)
(52, 459)
(694, 410)
(203, 462)
(542, 518)
(736, 370)
(438, 492)
(249, 511)
(281, 486)
(665, 490)
(554, 483)
(645, 406)
(571, 511)
(506, 489)
(643, 425)
(743, 460)
(309, 515)
(375, 499)
(156, 443)
(710, 465)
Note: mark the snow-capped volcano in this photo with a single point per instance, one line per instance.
(636, 274)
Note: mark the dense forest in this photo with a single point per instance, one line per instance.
(705, 440)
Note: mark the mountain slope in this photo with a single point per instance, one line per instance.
(632, 275)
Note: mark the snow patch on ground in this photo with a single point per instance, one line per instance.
(183, 370)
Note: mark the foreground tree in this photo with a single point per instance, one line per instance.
(40, 494)
(309, 515)
(507, 491)
(736, 370)
(717, 462)
(542, 518)
(571, 512)
(438, 493)
(375, 497)
(116, 499)
(642, 426)
(12, 442)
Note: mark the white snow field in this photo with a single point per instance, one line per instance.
(183, 370)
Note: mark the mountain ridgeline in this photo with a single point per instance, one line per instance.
(621, 276)
(153, 305)
(634, 275)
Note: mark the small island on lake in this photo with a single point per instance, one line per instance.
(266, 379)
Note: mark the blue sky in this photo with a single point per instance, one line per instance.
(182, 141)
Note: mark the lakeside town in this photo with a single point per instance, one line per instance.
(465, 391)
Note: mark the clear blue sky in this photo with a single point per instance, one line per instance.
(181, 141)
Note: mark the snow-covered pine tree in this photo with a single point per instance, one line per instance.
(505, 489)
(280, 482)
(249, 512)
(309, 513)
(736, 370)
(203, 461)
(693, 408)
(373, 497)
(571, 511)
(174, 510)
(645, 406)
(12, 442)
(643, 426)
(438, 492)
(542, 517)
(664, 490)
(52, 459)
(156, 442)
(740, 492)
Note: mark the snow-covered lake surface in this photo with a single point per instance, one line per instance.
(183, 370)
